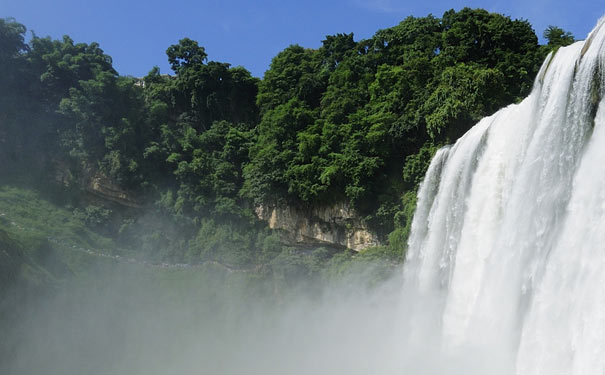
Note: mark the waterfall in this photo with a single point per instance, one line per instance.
(506, 258)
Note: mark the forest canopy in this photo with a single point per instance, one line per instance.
(353, 121)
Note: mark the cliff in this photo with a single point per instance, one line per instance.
(106, 189)
(335, 225)
(96, 184)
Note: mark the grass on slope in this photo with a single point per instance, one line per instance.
(48, 232)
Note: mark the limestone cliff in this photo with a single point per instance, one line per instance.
(104, 188)
(336, 225)
(96, 184)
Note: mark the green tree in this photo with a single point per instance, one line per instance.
(14, 85)
(186, 55)
(557, 37)
(294, 73)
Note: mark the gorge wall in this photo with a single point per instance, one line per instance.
(336, 225)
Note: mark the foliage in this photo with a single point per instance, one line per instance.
(186, 55)
(557, 37)
(374, 103)
(27, 214)
(354, 121)
(226, 243)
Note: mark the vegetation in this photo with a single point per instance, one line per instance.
(558, 37)
(352, 121)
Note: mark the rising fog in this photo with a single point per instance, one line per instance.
(128, 319)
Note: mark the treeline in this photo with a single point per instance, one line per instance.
(354, 121)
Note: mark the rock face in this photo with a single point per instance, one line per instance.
(96, 184)
(337, 225)
(104, 188)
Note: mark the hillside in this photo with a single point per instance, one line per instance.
(321, 156)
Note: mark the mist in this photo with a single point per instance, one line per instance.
(127, 319)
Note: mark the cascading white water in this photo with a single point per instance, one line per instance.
(506, 259)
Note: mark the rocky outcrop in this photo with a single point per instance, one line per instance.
(96, 184)
(106, 189)
(336, 225)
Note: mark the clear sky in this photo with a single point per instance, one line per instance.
(136, 33)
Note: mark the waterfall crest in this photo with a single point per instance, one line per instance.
(506, 258)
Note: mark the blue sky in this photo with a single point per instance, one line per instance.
(249, 33)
